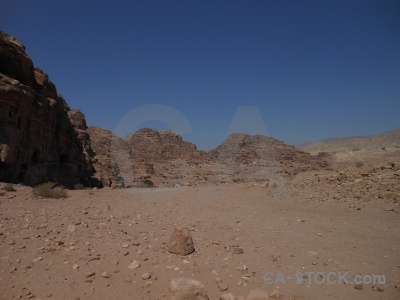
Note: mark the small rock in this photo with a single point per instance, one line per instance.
(75, 266)
(134, 265)
(275, 294)
(227, 296)
(146, 276)
(105, 275)
(90, 274)
(181, 242)
(222, 286)
(71, 228)
(377, 288)
(358, 286)
(114, 262)
(37, 259)
(183, 289)
(237, 250)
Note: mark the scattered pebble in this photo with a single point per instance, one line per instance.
(134, 265)
(146, 276)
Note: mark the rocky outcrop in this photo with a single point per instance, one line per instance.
(41, 139)
(111, 158)
(266, 151)
(166, 159)
(163, 156)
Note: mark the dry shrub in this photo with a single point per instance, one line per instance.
(147, 183)
(78, 186)
(9, 188)
(49, 190)
(359, 164)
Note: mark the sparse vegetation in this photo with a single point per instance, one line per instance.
(359, 164)
(49, 190)
(147, 183)
(9, 188)
(78, 186)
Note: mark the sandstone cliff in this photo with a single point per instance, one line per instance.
(38, 140)
(111, 158)
(162, 155)
(42, 139)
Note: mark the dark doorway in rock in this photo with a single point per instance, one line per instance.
(63, 158)
(35, 157)
(21, 175)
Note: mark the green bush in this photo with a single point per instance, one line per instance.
(49, 190)
(9, 188)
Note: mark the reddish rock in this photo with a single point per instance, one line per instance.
(181, 242)
(38, 141)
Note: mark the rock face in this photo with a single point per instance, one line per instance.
(166, 159)
(41, 139)
(181, 242)
(112, 158)
(243, 149)
(188, 289)
(162, 155)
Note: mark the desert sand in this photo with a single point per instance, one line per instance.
(82, 247)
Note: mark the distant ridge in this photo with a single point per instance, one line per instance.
(389, 139)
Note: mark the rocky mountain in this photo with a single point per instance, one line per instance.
(41, 138)
(242, 149)
(389, 139)
(162, 156)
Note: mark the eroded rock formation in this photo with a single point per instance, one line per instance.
(42, 139)
(38, 141)
(112, 159)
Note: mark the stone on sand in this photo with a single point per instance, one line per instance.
(181, 242)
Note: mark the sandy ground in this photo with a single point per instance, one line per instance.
(81, 247)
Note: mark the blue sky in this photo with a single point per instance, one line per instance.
(297, 70)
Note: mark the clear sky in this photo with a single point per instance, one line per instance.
(298, 70)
